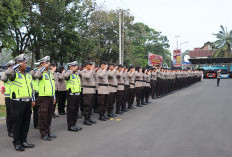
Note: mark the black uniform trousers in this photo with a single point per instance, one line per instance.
(9, 119)
(218, 81)
(61, 101)
(120, 98)
(35, 111)
(126, 94)
(146, 93)
(57, 99)
(112, 100)
(158, 87)
(153, 89)
(131, 96)
(21, 114)
(143, 94)
(103, 102)
(88, 101)
(95, 105)
(73, 103)
(138, 92)
(45, 114)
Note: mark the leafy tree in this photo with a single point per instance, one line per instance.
(11, 15)
(223, 44)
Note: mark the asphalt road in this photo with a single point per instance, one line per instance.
(193, 122)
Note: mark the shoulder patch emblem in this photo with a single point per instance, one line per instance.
(46, 77)
(73, 77)
(20, 76)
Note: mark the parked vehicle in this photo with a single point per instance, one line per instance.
(211, 74)
(224, 75)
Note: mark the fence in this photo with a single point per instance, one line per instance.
(2, 102)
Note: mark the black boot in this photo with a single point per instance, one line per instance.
(111, 114)
(18, 146)
(10, 134)
(131, 107)
(118, 111)
(124, 109)
(92, 121)
(86, 121)
(25, 144)
(147, 102)
(143, 103)
(101, 117)
(105, 116)
(138, 104)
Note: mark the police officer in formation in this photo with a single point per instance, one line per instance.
(22, 98)
(46, 99)
(111, 90)
(73, 87)
(35, 84)
(9, 120)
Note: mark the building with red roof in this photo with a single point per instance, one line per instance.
(205, 51)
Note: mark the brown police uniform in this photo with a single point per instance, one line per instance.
(131, 76)
(103, 91)
(113, 84)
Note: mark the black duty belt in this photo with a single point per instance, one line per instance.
(113, 85)
(132, 84)
(121, 84)
(127, 85)
(101, 84)
(147, 82)
(89, 86)
(139, 80)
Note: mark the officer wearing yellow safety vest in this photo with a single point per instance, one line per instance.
(35, 84)
(46, 99)
(9, 120)
(73, 86)
(21, 94)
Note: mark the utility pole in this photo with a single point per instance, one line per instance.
(177, 41)
(120, 38)
(123, 36)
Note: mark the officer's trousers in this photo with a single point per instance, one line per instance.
(138, 92)
(153, 89)
(45, 114)
(88, 101)
(35, 111)
(73, 102)
(112, 100)
(119, 98)
(21, 114)
(146, 93)
(126, 94)
(61, 101)
(103, 102)
(218, 81)
(131, 96)
(9, 119)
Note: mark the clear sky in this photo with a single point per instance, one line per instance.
(193, 20)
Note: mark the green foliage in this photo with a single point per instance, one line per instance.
(70, 30)
(223, 44)
(11, 14)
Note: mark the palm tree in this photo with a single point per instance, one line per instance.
(223, 44)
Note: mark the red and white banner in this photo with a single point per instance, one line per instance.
(154, 60)
(177, 58)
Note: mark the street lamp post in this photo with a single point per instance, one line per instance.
(183, 43)
(177, 36)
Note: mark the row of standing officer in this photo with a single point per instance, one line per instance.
(114, 85)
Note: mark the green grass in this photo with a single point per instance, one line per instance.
(3, 111)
